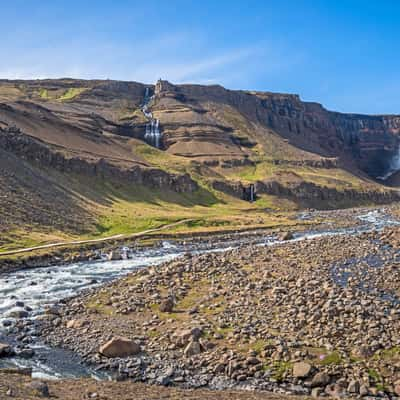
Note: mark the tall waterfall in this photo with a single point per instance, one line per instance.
(152, 134)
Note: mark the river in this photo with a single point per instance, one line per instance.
(32, 291)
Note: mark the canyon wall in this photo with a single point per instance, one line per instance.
(369, 141)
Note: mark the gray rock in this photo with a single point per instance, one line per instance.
(192, 349)
(39, 388)
(5, 350)
(18, 314)
(301, 369)
(321, 379)
(353, 387)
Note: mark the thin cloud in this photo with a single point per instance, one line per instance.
(178, 56)
(194, 70)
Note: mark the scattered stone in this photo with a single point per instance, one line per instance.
(279, 303)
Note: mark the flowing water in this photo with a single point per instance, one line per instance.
(393, 167)
(38, 288)
(152, 133)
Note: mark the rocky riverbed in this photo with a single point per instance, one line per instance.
(308, 312)
(318, 316)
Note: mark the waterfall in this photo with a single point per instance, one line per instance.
(396, 161)
(251, 193)
(393, 167)
(152, 134)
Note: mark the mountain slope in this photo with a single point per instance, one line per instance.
(74, 159)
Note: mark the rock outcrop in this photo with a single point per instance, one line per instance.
(370, 141)
(38, 152)
(309, 194)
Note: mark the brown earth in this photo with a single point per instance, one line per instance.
(58, 135)
(18, 387)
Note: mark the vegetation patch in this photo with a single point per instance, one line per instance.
(280, 369)
(71, 93)
(333, 358)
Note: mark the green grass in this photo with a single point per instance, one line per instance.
(374, 375)
(333, 358)
(394, 352)
(44, 94)
(162, 159)
(136, 115)
(258, 346)
(377, 379)
(123, 208)
(71, 93)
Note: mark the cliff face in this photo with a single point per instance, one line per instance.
(93, 127)
(369, 142)
(308, 194)
(38, 153)
(208, 123)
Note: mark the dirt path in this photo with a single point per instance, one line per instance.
(105, 239)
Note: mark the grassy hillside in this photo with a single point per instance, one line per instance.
(209, 133)
(117, 208)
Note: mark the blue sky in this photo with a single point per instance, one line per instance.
(343, 54)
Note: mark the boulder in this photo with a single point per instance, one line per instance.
(183, 337)
(192, 349)
(53, 310)
(18, 314)
(39, 389)
(364, 390)
(301, 369)
(320, 379)
(397, 388)
(316, 392)
(335, 390)
(167, 305)
(114, 255)
(76, 323)
(5, 350)
(353, 387)
(286, 236)
(119, 347)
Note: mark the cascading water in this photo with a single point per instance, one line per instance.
(393, 167)
(152, 134)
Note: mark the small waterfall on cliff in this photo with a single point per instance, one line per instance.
(152, 134)
(393, 168)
